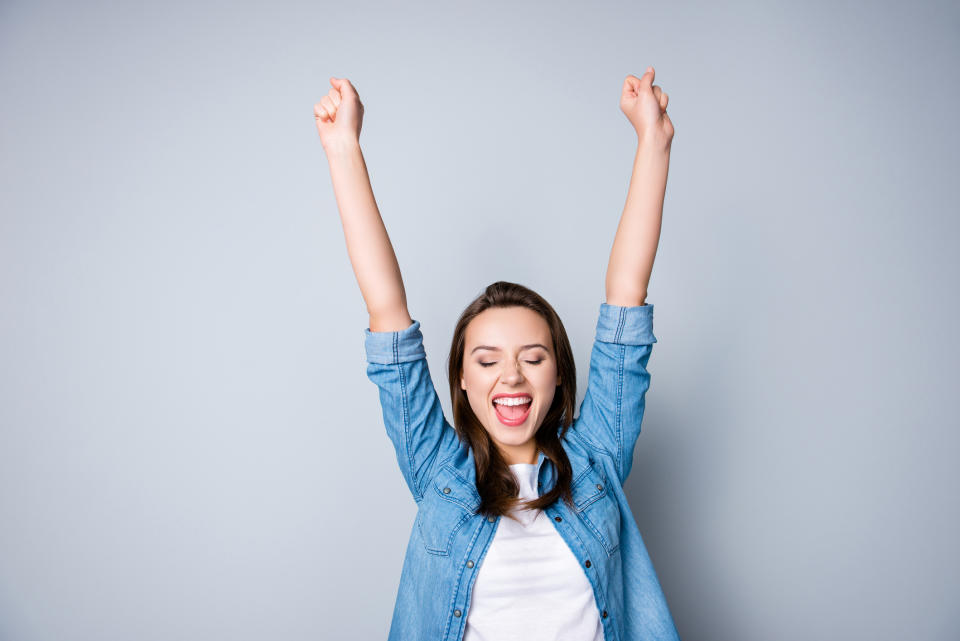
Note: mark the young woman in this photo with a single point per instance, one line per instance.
(568, 562)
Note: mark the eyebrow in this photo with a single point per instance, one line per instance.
(497, 349)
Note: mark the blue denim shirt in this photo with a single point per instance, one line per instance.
(448, 540)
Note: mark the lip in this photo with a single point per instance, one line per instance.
(513, 422)
(514, 395)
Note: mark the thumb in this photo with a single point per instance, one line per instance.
(647, 78)
(342, 85)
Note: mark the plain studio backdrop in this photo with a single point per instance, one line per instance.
(189, 446)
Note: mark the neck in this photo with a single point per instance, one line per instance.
(520, 454)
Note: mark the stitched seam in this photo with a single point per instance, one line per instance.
(600, 495)
(575, 482)
(452, 499)
(587, 443)
(583, 549)
(607, 546)
(406, 416)
(445, 551)
(470, 487)
(619, 417)
(444, 462)
(468, 597)
(590, 470)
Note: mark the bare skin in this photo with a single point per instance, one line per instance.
(638, 234)
(509, 351)
(339, 117)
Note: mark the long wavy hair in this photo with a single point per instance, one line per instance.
(496, 484)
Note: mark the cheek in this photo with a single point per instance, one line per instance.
(477, 388)
(480, 378)
(547, 378)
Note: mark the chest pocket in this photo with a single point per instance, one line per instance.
(447, 505)
(597, 507)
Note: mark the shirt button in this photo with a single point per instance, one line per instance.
(469, 564)
(587, 563)
(599, 487)
(446, 490)
(456, 613)
(557, 519)
(604, 615)
(491, 518)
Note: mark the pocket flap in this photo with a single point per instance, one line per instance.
(453, 487)
(589, 487)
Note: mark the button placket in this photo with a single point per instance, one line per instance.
(587, 563)
(470, 563)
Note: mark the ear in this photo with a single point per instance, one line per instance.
(463, 385)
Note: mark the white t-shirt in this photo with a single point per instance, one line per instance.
(530, 586)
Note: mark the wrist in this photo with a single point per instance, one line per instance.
(653, 150)
(653, 142)
(341, 146)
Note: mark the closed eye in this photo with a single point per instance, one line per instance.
(536, 362)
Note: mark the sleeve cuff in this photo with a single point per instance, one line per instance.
(626, 325)
(388, 348)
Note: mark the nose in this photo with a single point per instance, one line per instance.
(512, 373)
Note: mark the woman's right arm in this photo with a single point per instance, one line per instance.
(339, 117)
(397, 361)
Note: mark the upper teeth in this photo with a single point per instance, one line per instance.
(512, 401)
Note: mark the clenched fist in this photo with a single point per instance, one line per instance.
(339, 114)
(645, 106)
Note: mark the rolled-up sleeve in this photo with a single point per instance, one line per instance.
(626, 325)
(412, 414)
(389, 348)
(612, 409)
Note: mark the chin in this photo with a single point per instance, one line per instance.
(513, 437)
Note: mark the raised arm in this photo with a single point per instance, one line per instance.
(638, 234)
(396, 359)
(339, 117)
(612, 409)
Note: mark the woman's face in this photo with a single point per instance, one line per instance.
(509, 351)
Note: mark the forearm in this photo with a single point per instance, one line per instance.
(638, 233)
(368, 244)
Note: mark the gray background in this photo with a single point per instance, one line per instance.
(190, 448)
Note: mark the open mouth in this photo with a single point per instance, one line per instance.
(513, 411)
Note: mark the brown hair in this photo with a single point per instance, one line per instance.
(495, 482)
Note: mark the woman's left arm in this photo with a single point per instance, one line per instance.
(638, 234)
(612, 409)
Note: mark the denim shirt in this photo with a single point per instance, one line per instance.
(449, 539)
